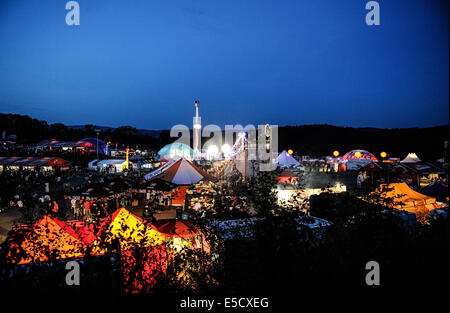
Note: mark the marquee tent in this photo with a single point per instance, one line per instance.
(129, 230)
(34, 163)
(176, 228)
(112, 165)
(406, 199)
(43, 240)
(287, 177)
(50, 239)
(181, 172)
(286, 160)
(411, 158)
(86, 233)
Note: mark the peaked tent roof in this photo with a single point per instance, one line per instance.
(45, 239)
(407, 199)
(86, 233)
(130, 230)
(411, 158)
(181, 172)
(51, 238)
(176, 228)
(286, 160)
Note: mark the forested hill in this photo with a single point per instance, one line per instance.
(427, 143)
(313, 140)
(30, 130)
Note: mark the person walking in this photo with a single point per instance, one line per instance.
(73, 204)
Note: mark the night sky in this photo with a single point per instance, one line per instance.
(143, 62)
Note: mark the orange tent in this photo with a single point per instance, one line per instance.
(51, 239)
(140, 267)
(406, 199)
(42, 241)
(179, 196)
(86, 233)
(176, 228)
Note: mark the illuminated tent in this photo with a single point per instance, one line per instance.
(411, 158)
(141, 266)
(176, 228)
(86, 233)
(143, 252)
(51, 239)
(356, 159)
(180, 172)
(179, 196)
(406, 199)
(102, 146)
(359, 155)
(129, 230)
(286, 177)
(286, 160)
(173, 150)
(43, 241)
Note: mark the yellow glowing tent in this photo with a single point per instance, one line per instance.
(130, 231)
(51, 239)
(406, 199)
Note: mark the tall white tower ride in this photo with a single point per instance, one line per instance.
(197, 128)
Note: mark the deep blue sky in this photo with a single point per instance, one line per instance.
(143, 62)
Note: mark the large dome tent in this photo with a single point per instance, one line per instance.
(356, 159)
(175, 149)
(359, 155)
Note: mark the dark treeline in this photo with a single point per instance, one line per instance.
(30, 130)
(313, 140)
(321, 140)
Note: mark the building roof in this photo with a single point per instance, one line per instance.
(31, 161)
(112, 162)
(422, 168)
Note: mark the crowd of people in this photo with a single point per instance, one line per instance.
(65, 196)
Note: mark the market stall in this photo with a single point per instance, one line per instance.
(201, 196)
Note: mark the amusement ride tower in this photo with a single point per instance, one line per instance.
(197, 128)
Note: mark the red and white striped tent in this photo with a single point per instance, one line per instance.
(180, 171)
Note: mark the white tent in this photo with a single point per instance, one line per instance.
(411, 158)
(286, 160)
(179, 171)
(92, 166)
(112, 165)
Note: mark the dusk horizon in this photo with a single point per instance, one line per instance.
(91, 122)
(257, 63)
